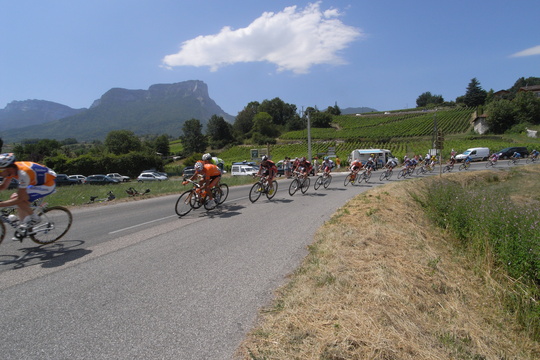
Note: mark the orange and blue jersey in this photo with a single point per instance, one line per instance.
(33, 174)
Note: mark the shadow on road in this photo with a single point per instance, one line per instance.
(48, 256)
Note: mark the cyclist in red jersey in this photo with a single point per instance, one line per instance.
(304, 167)
(269, 169)
(35, 181)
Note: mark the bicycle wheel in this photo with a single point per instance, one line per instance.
(184, 203)
(367, 177)
(304, 186)
(512, 162)
(318, 183)
(2, 231)
(255, 192)
(327, 181)
(207, 205)
(221, 193)
(461, 167)
(196, 200)
(348, 180)
(293, 187)
(55, 223)
(272, 192)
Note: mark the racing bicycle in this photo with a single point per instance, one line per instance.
(406, 171)
(513, 161)
(262, 187)
(55, 223)
(364, 176)
(531, 159)
(197, 197)
(465, 166)
(300, 182)
(448, 168)
(325, 179)
(350, 178)
(386, 174)
(491, 163)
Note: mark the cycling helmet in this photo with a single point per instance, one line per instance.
(6, 160)
(199, 166)
(207, 157)
(302, 159)
(264, 158)
(326, 158)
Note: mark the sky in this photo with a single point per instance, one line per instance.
(381, 54)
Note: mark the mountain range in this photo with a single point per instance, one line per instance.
(162, 109)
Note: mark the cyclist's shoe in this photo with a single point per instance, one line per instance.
(271, 191)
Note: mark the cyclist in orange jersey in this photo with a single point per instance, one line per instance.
(35, 181)
(210, 174)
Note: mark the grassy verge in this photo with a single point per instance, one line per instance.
(80, 194)
(383, 281)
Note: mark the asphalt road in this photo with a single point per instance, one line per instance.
(133, 281)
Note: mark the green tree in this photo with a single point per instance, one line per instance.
(262, 124)
(333, 110)
(280, 111)
(475, 95)
(320, 119)
(527, 108)
(500, 116)
(427, 98)
(122, 142)
(193, 139)
(219, 132)
(161, 145)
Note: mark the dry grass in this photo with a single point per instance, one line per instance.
(381, 283)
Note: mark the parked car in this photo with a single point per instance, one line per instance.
(155, 172)
(151, 176)
(101, 180)
(476, 154)
(122, 178)
(509, 151)
(188, 171)
(80, 178)
(63, 179)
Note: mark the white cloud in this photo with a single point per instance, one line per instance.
(528, 52)
(293, 39)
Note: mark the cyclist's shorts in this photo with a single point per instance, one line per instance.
(211, 178)
(38, 191)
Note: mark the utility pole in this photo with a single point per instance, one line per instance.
(308, 136)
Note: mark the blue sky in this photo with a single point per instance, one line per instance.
(375, 53)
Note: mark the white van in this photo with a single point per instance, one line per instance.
(243, 170)
(382, 156)
(476, 154)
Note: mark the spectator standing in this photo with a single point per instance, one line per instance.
(338, 162)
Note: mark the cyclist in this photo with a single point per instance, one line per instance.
(516, 155)
(35, 181)
(370, 164)
(534, 154)
(268, 169)
(210, 174)
(356, 166)
(391, 164)
(494, 157)
(327, 165)
(304, 167)
(468, 160)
